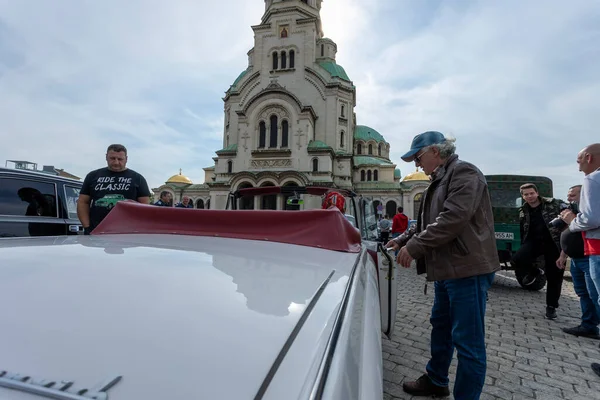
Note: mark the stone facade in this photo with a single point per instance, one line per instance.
(289, 120)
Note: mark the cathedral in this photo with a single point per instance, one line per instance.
(289, 119)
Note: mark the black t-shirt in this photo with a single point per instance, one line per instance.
(537, 226)
(106, 188)
(572, 243)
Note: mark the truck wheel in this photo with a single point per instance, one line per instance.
(539, 283)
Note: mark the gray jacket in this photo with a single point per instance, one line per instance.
(588, 218)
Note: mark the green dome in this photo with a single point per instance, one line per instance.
(366, 133)
(397, 173)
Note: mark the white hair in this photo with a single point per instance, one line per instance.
(447, 148)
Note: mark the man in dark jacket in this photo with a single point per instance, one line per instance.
(454, 243)
(538, 238)
(165, 199)
(571, 244)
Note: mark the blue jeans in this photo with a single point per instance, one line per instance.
(587, 292)
(457, 319)
(595, 273)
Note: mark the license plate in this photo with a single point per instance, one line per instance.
(505, 235)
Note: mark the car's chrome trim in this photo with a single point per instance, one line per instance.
(290, 340)
(52, 390)
(319, 385)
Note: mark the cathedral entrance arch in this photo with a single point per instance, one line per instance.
(417, 204)
(200, 203)
(290, 207)
(390, 208)
(376, 204)
(245, 203)
(268, 202)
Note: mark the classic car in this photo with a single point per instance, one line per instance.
(169, 303)
(37, 204)
(110, 200)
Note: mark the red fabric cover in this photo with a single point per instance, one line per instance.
(266, 190)
(327, 229)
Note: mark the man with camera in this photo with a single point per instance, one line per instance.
(572, 246)
(540, 236)
(587, 219)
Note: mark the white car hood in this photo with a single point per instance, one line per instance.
(178, 317)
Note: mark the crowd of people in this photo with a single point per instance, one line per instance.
(452, 242)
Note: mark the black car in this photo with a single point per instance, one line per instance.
(37, 204)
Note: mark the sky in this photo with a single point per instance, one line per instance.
(515, 82)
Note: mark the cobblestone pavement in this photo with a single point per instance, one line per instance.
(529, 357)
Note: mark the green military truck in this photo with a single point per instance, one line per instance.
(506, 200)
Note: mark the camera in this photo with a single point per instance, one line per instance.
(559, 223)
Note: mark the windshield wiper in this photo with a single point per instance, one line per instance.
(56, 390)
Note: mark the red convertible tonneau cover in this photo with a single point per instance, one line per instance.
(327, 229)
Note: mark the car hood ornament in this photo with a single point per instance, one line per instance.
(62, 390)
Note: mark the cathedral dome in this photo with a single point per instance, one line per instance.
(366, 133)
(416, 176)
(180, 179)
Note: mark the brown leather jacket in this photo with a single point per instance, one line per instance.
(454, 235)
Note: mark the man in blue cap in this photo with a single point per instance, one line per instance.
(453, 242)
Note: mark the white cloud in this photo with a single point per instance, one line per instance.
(515, 82)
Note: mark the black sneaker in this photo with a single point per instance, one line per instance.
(551, 312)
(425, 387)
(581, 331)
(596, 368)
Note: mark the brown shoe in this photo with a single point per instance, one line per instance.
(425, 387)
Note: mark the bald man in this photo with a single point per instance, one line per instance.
(587, 220)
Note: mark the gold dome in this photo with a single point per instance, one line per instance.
(180, 179)
(416, 176)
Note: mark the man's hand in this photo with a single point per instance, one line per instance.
(561, 263)
(567, 216)
(404, 258)
(392, 244)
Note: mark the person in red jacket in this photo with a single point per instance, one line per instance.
(399, 223)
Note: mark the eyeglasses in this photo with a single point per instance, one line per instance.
(418, 158)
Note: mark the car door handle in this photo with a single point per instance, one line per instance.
(75, 228)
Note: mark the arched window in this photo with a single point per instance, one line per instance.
(370, 149)
(284, 133)
(275, 60)
(359, 148)
(362, 175)
(283, 60)
(229, 167)
(343, 111)
(322, 50)
(273, 132)
(200, 203)
(315, 165)
(375, 175)
(292, 58)
(262, 135)
(342, 139)
(369, 175)
(379, 150)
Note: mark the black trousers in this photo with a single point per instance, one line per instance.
(524, 260)
(385, 237)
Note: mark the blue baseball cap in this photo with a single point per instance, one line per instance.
(421, 141)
